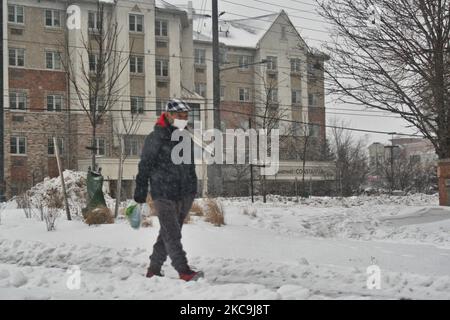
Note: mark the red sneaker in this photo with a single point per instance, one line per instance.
(191, 275)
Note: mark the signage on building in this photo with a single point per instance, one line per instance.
(314, 170)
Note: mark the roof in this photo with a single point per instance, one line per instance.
(187, 94)
(165, 5)
(238, 33)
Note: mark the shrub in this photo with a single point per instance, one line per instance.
(187, 220)
(101, 215)
(214, 212)
(147, 222)
(249, 211)
(197, 209)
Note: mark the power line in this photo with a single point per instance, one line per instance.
(284, 7)
(289, 106)
(297, 122)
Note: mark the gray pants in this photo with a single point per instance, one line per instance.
(171, 215)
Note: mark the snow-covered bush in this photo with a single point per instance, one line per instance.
(50, 215)
(25, 202)
(50, 207)
(2, 207)
(76, 190)
(249, 211)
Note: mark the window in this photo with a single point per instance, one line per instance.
(271, 63)
(94, 21)
(133, 145)
(283, 33)
(93, 61)
(223, 55)
(314, 130)
(137, 64)
(200, 88)
(161, 44)
(18, 145)
(52, 18)
(17, 57)
(137, 104)
(199, 56)
(54, 103)
(296, 96)
(194, 114)
(51, 146)
(161, 28)
(159, 107)
(53, 60)
(100, 146)
(99, 104)
(17, 101)
(273, 95)
(136, 23)
(222, 93)
(295, 65)
(162, 68)
(312, 100)
(244, 94)
(15, 14)
(297, 129)
(244, 62)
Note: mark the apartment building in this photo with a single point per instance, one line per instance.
(42, 103)
(266, 64)
(169, 55)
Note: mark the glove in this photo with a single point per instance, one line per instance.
(140, 196)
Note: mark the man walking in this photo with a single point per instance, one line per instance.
(173, 188)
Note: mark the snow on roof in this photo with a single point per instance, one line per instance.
(239, 33)
(165, 5)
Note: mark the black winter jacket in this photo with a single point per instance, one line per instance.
(167, 180)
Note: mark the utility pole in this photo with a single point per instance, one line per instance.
(391, 148)
(2, 107)
(251, 163)
(215, 173)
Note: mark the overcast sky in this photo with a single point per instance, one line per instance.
(314, 30)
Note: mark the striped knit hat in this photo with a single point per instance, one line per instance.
(176, 105)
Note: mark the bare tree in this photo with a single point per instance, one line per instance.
(393, 56)
(351, 161)
(408, 174)
(94, 70)
(125, 130)
(268, 113)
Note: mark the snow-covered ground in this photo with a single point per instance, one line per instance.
(317, 248)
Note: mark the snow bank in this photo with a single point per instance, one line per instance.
(35, 270)
(417, 199)
(409, 218)
(76, 189)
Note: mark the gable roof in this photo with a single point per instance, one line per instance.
(165, 5)
(244, 33)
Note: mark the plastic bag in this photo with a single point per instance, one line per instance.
(133, 214)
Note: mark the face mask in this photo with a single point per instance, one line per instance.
(180, 124)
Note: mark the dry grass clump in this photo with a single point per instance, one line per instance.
(101, 215)
(197, 210)
(214, 212)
